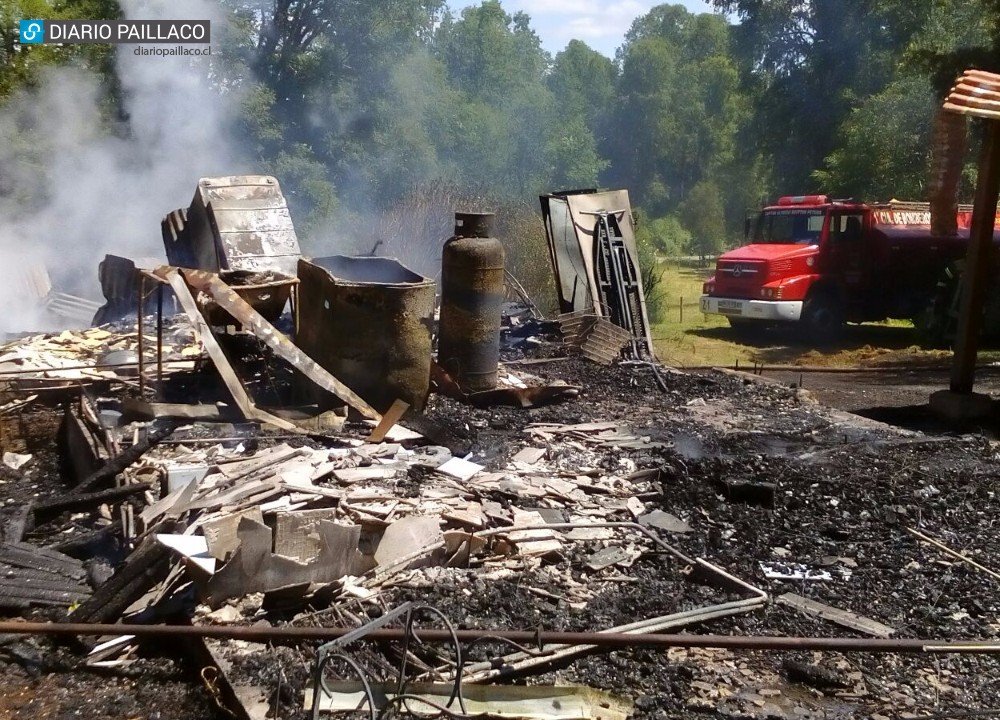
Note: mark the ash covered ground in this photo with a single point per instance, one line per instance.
(759, 471)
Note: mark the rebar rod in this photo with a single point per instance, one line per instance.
(525, 637)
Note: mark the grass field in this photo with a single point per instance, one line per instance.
(684, 337)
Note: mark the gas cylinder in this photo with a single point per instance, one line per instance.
(472, 291)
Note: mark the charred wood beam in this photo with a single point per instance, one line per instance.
(18, 594)
(242, 311)
(22, 555)
(146, 566)
(82, 501)
(120, 462)
(80, 545)
(204, 332)
(23, 521)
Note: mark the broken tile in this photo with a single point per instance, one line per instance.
(460, 469)
(664, 521)
(529, 455)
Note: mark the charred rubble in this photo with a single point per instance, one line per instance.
(288, 527)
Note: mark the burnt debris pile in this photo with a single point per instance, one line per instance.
(254, 490)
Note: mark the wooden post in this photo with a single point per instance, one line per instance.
(976, 93)
(141, 348)
(680, 306)
(159, 341)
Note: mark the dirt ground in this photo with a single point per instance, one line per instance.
(839, 494)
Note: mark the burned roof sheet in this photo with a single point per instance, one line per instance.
(239, 222)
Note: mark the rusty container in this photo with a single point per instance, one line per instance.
(368, 321)
(472, 286)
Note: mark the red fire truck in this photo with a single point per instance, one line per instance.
(820, 263)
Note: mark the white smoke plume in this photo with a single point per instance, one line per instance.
(70, 192)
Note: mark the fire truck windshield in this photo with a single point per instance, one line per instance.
(798, 226)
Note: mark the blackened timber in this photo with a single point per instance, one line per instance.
(242, 311)
(120, 462)
(22, 555)
(20, 592)
(83, 501)
(204, 333)
(14, 597)
(147, 565)
(978, 261)
(79, 546)
(21, 522)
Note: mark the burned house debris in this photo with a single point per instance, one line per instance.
(282, 473)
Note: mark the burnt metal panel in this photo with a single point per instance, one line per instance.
(591, 237)
(367, 320)
(120, 280)
(234, 223)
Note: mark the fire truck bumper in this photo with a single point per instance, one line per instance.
(771, 310)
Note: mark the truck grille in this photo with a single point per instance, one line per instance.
(779, 269)
(740, 278)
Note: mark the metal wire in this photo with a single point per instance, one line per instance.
(456, 691)
(320, 682)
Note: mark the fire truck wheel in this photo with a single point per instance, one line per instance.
(823, 319)
(937, 322)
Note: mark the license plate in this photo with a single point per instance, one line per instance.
(734, 307)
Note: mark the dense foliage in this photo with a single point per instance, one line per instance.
(364, 106)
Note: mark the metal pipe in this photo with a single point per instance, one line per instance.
(524, 637)
(159, 341)
(520, 661)
(140, 352)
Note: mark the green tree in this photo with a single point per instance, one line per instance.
(807, 64)
(21, 65)
(333, 75)
(678, 106)
(666, 235)
(703, 214)
(503, 117)
(885, 145)
(582, 82)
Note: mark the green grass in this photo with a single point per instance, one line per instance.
(684, 337)
(680, 336)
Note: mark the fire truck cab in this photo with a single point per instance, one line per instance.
(821, 262)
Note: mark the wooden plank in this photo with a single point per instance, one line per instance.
(240, 309)
(840, 617)
(215, 352)
(391, 417)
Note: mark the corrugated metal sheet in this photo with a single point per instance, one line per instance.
(598, 339)
(234, 223)
(30, 277)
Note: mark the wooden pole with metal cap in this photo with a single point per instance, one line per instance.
(977, 94)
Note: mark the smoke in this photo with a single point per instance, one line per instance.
(78, 180)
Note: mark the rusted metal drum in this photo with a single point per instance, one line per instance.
(368, 321)
(472, 282)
